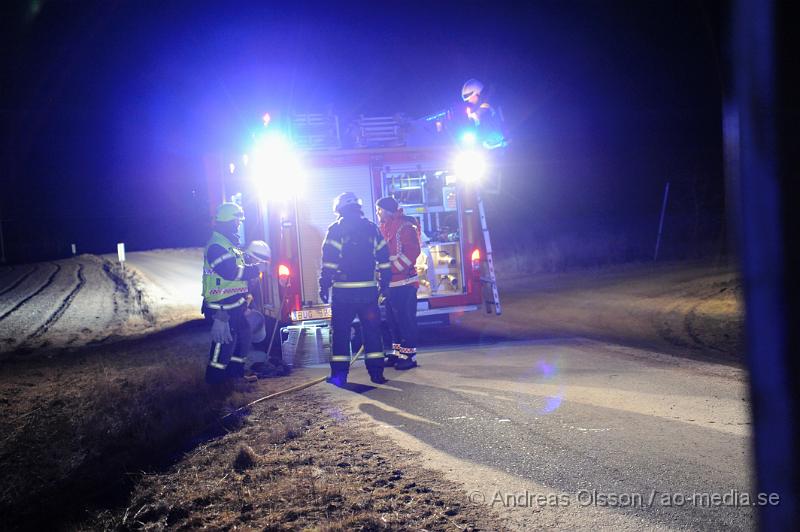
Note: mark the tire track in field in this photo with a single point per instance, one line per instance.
(19, 281)
(62, 307)
(34, 294)
(6, 271)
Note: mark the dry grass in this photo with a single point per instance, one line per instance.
(293, 466)
(81, 426)
(245, 458)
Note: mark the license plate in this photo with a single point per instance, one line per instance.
(320, 313)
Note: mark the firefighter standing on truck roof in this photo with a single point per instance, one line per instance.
(352, 251)
(402, 234)
(225, 290)
(487, 120)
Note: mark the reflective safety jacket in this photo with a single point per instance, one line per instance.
(352, 251)
(402, 234)
(225, 273)
(489, 125)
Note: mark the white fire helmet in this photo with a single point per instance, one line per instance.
(472, 86)
(260, 250)
(343, 200)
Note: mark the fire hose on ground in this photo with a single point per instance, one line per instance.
(287, 391)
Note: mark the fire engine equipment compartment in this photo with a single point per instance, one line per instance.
(431, 196)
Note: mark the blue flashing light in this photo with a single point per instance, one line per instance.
(469, 138)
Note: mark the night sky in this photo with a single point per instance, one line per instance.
(110, 108)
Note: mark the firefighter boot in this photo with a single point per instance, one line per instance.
(376, 376)
(280, 367)
(391, 356)
(339, 371)
(406, 363)
(266, 370)
(272, 368)
(338, 378)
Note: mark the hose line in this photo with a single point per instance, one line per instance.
(297, 388)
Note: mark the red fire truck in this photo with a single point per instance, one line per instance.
(287, 183)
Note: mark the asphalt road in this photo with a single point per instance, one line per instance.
(574, 433)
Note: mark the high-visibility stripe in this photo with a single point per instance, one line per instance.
(228, 291)
(374, 355)
(214, 362)
(217, 306)
(330, 265)
(239, 273)
(333, 243)
(340, 358)
(239, 360)
(395, 284)
(381, 245)
(404, 259)
(222, 258)
(359, 284)
(385, 266)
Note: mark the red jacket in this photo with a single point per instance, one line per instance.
(402, 235)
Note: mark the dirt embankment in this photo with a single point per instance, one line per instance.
(298, 463)
(694, 310)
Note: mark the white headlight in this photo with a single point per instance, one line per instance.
(470, 165)
(276, 169)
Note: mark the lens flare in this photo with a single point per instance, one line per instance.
(470, 166)
(275, 169)
(544, 372)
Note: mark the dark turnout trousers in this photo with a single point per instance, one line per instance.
(227, 360)
(401, 313)
(346, 304)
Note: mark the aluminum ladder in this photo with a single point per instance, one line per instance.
(492, 279)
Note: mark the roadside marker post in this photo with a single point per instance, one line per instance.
(74, 250)
(661, 221)
(121, 253)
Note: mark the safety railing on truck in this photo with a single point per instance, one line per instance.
(315, 131)
(379, 131)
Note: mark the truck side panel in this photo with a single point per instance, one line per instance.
(315, 214)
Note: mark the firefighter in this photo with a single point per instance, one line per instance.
(226, 272)
(352, 251)
(487, 120)
(403, 237)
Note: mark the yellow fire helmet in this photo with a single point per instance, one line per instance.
(229, 211)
